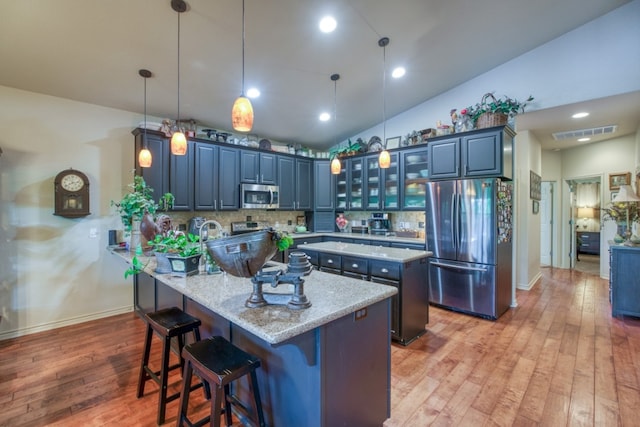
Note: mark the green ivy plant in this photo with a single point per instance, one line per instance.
(136, 267)
(491, 104)
(139, 201)
(283, 240)
(175, 242)
(346, 150)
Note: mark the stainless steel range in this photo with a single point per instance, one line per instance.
(247, 227)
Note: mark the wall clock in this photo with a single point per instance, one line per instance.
(71, 194)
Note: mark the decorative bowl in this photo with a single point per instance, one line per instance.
(413, 175)
(245, 254)
(424, 173)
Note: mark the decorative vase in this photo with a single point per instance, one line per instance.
(618, 238)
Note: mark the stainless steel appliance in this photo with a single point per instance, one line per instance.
(258, 196)
(469, 231)
(248, 227)
(379, 223)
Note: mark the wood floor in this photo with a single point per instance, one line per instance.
(558, 359)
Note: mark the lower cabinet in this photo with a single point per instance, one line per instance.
(409, 307)
(624, 280)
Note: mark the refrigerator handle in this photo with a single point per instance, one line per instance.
(459, 267)
(454, 223)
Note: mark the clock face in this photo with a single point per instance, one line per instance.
(72, 182)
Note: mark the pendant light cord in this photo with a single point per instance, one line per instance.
(145, 112)
(242, 48)
(384, 93)
(178, 119)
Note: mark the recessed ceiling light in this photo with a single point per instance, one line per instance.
(328, 24)
(580, 115)
(584, 139)
(398, 72)
(324, 117)
(253, 93)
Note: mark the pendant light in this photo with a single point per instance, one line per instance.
(178, 140)
(144, 157)
(384, 161)
(242, 111)
(335, 163)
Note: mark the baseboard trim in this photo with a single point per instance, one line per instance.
(15, 333)
(531, 283)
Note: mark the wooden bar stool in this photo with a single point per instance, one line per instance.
(167, 323)
(218, 362)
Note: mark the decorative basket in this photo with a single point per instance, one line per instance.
(489, 119)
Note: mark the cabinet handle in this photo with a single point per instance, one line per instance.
(354, 265)
(215, 204)
(257, 180)
(384, 270)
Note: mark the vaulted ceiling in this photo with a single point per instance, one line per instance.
(91, 51)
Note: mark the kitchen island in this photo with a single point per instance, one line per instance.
(405, 269)
(326, 365)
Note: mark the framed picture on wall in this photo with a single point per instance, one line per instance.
(535, 183)
(393, 143)
(618, 179)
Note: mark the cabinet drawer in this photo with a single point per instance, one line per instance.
(330, 261)
(386, 270)
(355, 265)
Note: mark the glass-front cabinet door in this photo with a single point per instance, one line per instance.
(415, 172)
(341, 186)
(355, 187)
(392, 184)
(373, 193)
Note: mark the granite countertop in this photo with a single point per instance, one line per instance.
(363, 236)
(374, 252)
(331, 297)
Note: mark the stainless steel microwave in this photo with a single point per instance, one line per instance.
(257, 196)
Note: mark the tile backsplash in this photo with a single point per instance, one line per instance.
(286, 220)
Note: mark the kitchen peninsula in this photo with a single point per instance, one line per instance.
(325, 365)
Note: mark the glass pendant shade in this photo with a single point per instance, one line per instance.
(178, 144)
(242, 114)
(335, 166)
(144, 158)
(385, 159)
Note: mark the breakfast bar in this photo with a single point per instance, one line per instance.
(325, 365)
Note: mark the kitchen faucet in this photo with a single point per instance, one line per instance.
(203, 257)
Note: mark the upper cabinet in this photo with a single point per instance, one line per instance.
(323, 186)
(258, 167)
(295, 183)
(415, 174)
(155, 176)
(475, 154)
(181, 179)
(211, 164)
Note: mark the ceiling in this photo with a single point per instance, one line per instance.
(91, 51)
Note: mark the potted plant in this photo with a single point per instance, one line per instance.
(346, 150)
(139, 201)
(177, 253)
(492, 111)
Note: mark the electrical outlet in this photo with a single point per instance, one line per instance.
(93, 232)
(289, 222)
(248, 218)
(421, 224)
(360, 314)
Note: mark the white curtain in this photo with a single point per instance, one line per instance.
(588, 195)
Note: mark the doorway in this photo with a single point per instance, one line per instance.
(586, 196)
(546, 224)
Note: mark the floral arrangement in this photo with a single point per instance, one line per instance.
(504, 105)
(341, 221)
(617, 212)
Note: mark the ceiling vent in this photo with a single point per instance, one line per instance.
(603, 130)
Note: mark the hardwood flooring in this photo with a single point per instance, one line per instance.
(558, 359)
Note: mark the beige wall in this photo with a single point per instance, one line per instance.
(52, 272)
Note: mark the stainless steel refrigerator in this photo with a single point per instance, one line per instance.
(469, 231)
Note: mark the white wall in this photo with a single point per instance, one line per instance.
(551, 163)
(612, 156)
(51, 272)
